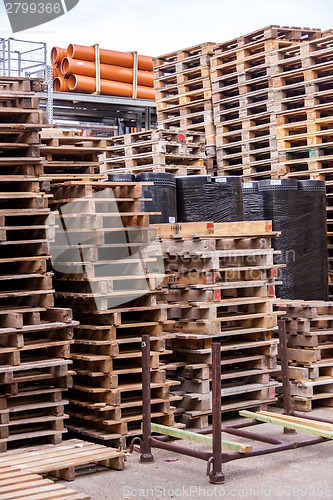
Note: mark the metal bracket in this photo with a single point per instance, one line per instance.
(214, 477)
(136, 440)
(135, 75)
(49, 81)
(98, 69)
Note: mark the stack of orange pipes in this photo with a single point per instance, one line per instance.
(74, 70)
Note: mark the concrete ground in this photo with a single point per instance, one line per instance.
(305, 473)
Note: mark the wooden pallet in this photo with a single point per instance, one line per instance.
(308, 394)
(155, 162)
(12, 84)
(71, 137)
(157, 151)
(310, 351)
(269, 32)
(119, 411)
(63, 460)
(247, 147)
(304, 57)
(16, 483)
(173, 168)
(310, 404)
(307, 161)
(31, 116)
(184, 94)
(69, 153)
(183, 56)
(195, 117)
(188, 70)
(156, 141)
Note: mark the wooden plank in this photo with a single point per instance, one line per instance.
(303, 421)
(199, 438)
(284, 423)
(210, 229)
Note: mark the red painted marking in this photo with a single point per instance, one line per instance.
(274, 273)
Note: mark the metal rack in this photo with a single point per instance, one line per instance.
(112, 115)
(121, 114)
(23, 58)
(216, 456)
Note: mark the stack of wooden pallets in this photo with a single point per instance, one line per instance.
(245, 101)
(68, 152)
(309, 328)
(303, 86)
(35, 337)
(302, 82)
(183, 92)
(106, 269)
(221, 285)
(156, 151)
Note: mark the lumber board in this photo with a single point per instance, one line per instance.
(199, 438)
(303, 421)
(284, 423)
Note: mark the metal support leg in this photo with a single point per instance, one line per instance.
(285, 373)
(146, 454)
(216, 476)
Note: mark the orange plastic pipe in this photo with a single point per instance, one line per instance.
(57, 55)
(87, 85)
(56, 72)
(125, 59)
(60, 84)
(108, 72)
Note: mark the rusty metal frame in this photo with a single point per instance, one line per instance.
(216, 457)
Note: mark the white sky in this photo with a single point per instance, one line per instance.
(155, 27)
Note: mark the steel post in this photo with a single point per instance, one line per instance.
(9, 62)
(216, 475)
(146, 454)
(285, 373)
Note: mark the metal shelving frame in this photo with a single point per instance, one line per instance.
(113, 115)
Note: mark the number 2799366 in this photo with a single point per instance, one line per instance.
(34, 8)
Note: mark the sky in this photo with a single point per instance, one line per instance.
(156, 27)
